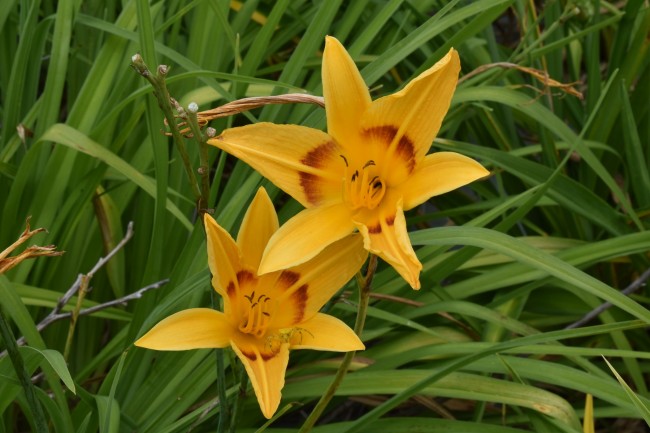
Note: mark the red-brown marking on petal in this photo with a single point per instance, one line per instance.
(376, 229)
(250, 355)
(230, 290)
(385, 134)
(315, 158)
(309, 183)
(245, 276)
(267, 356)
(287, 279)
(300, 297)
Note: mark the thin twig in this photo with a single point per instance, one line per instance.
(84, 287)
(121, 301)
(100, 263)
(634, 286)
(51, 318)
(539, 75)
(56, 314)
(391, 298)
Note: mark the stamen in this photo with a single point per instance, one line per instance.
(362, 189)
(258, 316)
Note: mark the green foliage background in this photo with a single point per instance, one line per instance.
(509, 263)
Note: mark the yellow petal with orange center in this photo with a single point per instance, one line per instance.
(259, 224)
(439, 173)
(346, 94)
(266, 370)
(414, 115)
(305, 235)
(324, 332)
(223, 259)
(304, 162)
(196, 328)
(302, 290)
(385, 234)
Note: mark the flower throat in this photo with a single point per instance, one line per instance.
(362, 189)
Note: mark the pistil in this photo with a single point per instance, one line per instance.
(360, 189)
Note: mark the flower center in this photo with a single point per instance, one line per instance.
(291, 336)
(257, 316)
(362, 188)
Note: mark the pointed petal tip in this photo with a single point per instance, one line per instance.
(411, 275)
(267, 410)
(216, 140)
(305, 235)
(387, 237)
(331, 40)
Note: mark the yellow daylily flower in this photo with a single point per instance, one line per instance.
(369, 167)
(264, 315)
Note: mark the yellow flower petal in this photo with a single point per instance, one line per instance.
(196, 328)
(324, 332)
(302, 161)
(305, 235)
(259, 224)
(413, 115)
(346, 95)
(265, 369)
(385, 234)
(304, 289)
(439, 173)
(223, 259)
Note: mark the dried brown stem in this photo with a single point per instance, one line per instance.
(7, 262)
(82, 281)
(246, 104)
(539, 75)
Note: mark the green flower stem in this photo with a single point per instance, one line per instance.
(365, 284)
(83, 289)
(204, 169)
(241, 395)
(224, 412)
(161, 93)
(40, 424)
(224, 406)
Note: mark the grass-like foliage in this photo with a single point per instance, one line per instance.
(508, 332)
